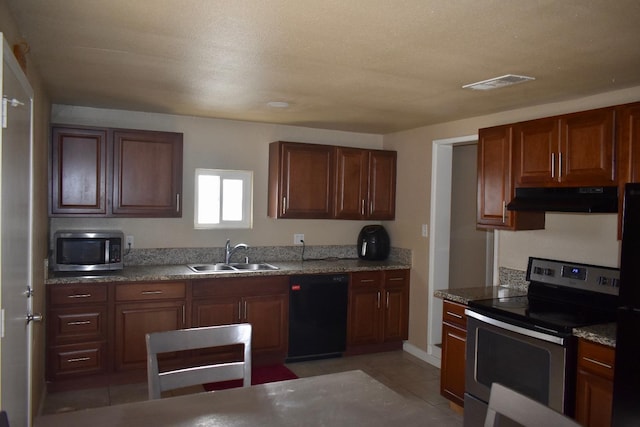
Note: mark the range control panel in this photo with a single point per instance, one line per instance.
(574, 275)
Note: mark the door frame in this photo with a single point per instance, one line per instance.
(439, 242)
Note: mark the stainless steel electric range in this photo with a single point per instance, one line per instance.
(526, 343)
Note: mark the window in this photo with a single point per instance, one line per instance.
(223, 198)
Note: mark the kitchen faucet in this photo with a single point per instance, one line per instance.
(229, 251)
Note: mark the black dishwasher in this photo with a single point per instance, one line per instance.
(317, 316)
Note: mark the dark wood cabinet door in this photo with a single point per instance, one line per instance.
(382, 185)
(396, 305)
(452, 371)
(587, 149)
(135, 320)
(215, 312)
(79, 171)
(594, 400)
(536, 152)
(496, 183)
(364, 316)
(147, 174)
(494, 177)
(268, 315)
(628, 146)
(301, 180)
(352, 165)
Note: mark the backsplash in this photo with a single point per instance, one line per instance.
(513, 278)
(173, 256)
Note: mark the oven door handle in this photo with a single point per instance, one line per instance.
(514, 328)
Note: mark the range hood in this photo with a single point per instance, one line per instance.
(567, 199)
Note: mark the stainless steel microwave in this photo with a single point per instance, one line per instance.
(87, 250)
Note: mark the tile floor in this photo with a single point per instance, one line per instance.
(400, 371)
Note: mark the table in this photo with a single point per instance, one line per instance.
(350, 398)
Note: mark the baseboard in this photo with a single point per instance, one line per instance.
(421, 354)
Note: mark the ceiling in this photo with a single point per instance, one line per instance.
(374, 66)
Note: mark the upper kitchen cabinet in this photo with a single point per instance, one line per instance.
(324, 181)
(147, 173)
(365, 184)
(572, 150)
(79, 171)
(115, 172)
(495, 183)
(628, 134)
(300, 180)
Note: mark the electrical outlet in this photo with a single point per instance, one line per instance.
(298, 239)
(129, 242)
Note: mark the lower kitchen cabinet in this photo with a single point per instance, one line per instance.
(594, 388)
(454, 340)
(143, 308)
(378, 314)
(76, 331)
(260, 301)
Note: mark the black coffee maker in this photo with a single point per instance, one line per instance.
(373, 243)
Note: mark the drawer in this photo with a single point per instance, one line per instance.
(366, 279)
(77, 359)
(596, 358)
(396, 278)
(453, 313)
(77, 294)
(78, 324)
(150, 291)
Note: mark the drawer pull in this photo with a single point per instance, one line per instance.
(79, 296)
(151, 292)
(78, 359)
(395, 279)
(79, 322)
(454, 315)
(366, 280)
(597, 362)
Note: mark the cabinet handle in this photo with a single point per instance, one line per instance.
(504, 211)
(284, 205)
(184, 319)
(246, 311)
(239, 310)
(597, 362)
(560, 166)
(370, 207)
(177, 202)
(78, 359)
(151, 292)
(362, 207)
(454, 315)
(553, 165)
(79, 296)
(79, 322)
(378, 303)
(387, 302)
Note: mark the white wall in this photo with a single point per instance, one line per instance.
(225, 144)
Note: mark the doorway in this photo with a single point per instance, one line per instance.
(440, 244)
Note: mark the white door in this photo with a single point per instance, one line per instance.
(15, 241)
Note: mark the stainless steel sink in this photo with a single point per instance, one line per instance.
(230, 268)
(253, 267)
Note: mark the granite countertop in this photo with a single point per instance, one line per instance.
(143, 273)
(604, 334)
(464, 295)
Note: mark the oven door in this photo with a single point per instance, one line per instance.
(530, 362)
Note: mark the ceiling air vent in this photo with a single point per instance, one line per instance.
(497, 82)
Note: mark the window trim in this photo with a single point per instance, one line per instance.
(246, 177)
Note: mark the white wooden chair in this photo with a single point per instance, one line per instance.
(195, 338)
(506, 402)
